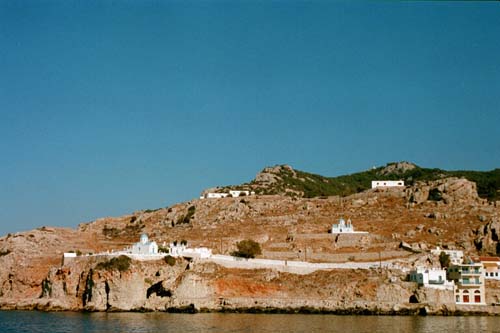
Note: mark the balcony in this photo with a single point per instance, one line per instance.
(470, 283)
(471, 272)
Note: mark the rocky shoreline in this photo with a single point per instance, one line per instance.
(409, 310)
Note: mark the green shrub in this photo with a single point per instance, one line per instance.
(186, 218)
(121, 263)
(110, 232)
(169, 260)
(444, 260)
(247, 249)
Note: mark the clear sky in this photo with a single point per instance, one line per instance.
(108, 107)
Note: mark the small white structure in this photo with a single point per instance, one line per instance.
(68, 256)
(181, 250)
(214, 195)
(144, 246)
(235, 193)
(387, 183)
(232, 193)
(431, 278)
(344, 227)
(456, 256)
(175, 249)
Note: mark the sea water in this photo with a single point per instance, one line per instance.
(54, 322)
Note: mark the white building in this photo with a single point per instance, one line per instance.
(181, 250)
(491, 267)
(235, 194)
(469, 283)
(232, 193)
(214, 195)
(144, 246)
(431, 278)
(387, 183)
(456, 256)
(344, 227)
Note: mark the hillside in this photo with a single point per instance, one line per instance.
(283, 179)
(288, 226)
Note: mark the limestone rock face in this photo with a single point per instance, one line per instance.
(435, 296)
(488, 236)
(449, 190)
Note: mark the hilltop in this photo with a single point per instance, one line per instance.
(284, 180)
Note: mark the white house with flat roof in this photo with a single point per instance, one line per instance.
(387, 183)
(431, 278)
(456, 256)
(231, 193)
(181, 250)
(491, 267)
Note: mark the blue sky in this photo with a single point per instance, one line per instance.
(109, 107)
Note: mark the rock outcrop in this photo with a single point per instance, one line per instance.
(398, 168)
(487, 237)
(448, 190)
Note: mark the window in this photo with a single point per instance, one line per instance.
(477, 296)
(466, 296)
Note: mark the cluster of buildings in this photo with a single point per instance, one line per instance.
(231, 193)
(465, 277)
(146, 247)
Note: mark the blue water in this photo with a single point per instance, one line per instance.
(31, 321)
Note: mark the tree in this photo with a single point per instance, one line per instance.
(247, 249)
(444, 260)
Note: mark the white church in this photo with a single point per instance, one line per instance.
(344, 227)
(144, 246)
